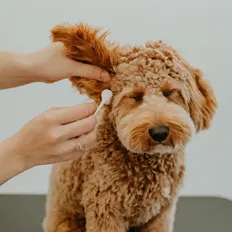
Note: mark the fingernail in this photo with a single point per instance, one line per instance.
(88, 101)
(92, 102)
(49, 82)
(105, 76)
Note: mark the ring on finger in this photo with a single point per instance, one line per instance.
(80, 146)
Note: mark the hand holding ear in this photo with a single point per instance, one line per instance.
(51, 64)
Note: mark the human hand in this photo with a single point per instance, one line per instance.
(56, 135)
(50, 64)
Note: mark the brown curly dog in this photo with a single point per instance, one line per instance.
(130, 179)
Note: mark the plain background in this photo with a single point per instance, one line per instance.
(200, 30)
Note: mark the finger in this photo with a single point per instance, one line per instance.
(50, 81)
(70, 149)
(74, 113)
(55, 108)
(89, 71)
(77, 128)
(84, 142)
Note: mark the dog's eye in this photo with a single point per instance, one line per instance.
(168, 93)
(138, 97)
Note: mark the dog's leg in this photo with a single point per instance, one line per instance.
(108, 221)
(63, 210)
(60, 220)
(164, 222)
(63, 224)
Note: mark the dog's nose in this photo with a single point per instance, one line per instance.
(159, 134)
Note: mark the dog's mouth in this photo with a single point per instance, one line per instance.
(143, 143)
(141, 140)
(153, 148)
(163, 149)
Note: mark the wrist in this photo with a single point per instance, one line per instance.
(28, 66)
(34, 64)
(11, 162)
(15, 70)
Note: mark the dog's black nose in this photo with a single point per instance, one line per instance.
(159, 134)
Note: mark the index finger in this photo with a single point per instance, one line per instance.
(75, 113)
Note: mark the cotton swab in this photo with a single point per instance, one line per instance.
(106, 96)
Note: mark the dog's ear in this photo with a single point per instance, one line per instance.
(203, 103)
(85, 44)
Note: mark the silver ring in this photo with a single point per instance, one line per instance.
(79, 145)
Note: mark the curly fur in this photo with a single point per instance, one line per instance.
(128, 181)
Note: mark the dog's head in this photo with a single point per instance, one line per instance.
(159, 100)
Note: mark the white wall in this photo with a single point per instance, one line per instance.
(199, 29)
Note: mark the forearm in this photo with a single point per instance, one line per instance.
(48, 65)
(14, 70)
(11, 164)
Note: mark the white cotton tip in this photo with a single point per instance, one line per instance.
(106, 97)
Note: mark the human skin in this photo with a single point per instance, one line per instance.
(58, 134)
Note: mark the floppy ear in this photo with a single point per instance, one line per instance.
(203, 103)
(87, 45)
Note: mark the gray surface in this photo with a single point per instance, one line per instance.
(25, 214)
